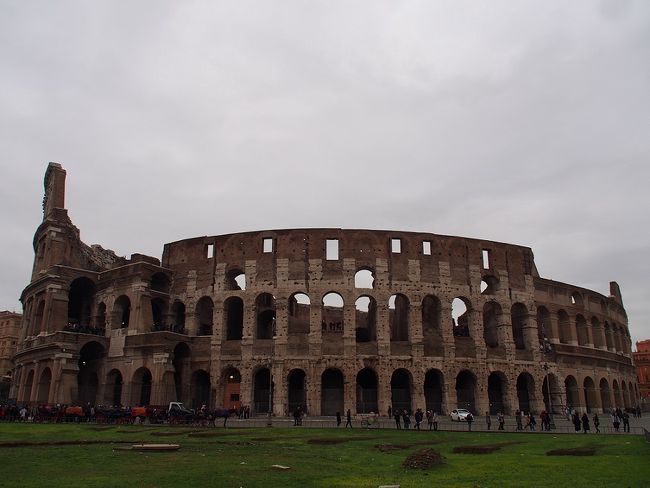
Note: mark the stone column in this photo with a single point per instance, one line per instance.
(447, 330)
(416, 335)
(349, 332)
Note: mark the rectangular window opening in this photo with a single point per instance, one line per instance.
(426, 248)
(268, 244)
(396, 246)
(332, 249)
(485, 254)
(210, 251)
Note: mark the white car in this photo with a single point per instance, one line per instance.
(459, 415)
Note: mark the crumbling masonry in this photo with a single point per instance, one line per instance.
(332, 318)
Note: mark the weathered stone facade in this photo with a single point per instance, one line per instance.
(9, 335)
(357, 319)
(642, 361)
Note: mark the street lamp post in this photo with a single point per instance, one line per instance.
(546, 348)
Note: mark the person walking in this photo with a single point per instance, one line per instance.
(488, 420)
(626, 422)
(430, 419)
(501, 419)
(469, 419)
(406, 418)
(397, 416)
(596, 421)
(418, 418)
(435, 420)
(518, 420)
(616, 420)
(348, 421)
(585, 423)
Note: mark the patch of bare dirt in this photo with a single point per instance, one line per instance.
(484, 449)
(171, 433)
(392, 447)
(336, 440)
(61, 443)
(219, 433)
(423, 459)
(575, 451)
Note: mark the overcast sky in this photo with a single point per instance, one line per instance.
(525, 122)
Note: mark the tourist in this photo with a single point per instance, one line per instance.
(518, 420)
(430, 419)
(616, 420)
(626, 422)
(576, 421)
(348, 421)
(488, 420)
(585, 423)
(501, 419)
(338, 419)
(596, 421)
(435, 420)
(469, 419)
(531, 421)
(418, 418)
(397, 417)
(406, 417)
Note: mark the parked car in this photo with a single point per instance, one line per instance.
(459, 415)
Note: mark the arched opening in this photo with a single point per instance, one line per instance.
(491, 313)
(519, 316)
(234, 318)
(364, 278)
(181, 363)
(366, 319)
(160, 282)
(489, 285)
(552, 399)
(38, 318)
(261, 390)
(591, 395)
(626, 395)
(564, 326)
(431, 326)
(433, 388)
(235, 280)
(331, 392)
(598, 333)
(113, 391)
(460, 317)
(618, 400)
(200, 392)
(400, 390)
(158, 313)
(332, 313)
(299, 317)
(43, 393)
(605, 395)
(265, 312)
(544, 324)
(90, 361)
(367, 391)
(466, 391)
(576, 299)
(178, 315)
(525, 392)
(232, 389)
(80, 302)
(398, 318)
(122, 312)
(497, 392)
(296, 390)
(141, 387)
(572, 397)
(609, 341)
(27, 390)
(581, 327)
(204, 316)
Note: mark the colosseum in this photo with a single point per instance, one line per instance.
(326, 319)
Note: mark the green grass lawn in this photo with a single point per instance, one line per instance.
(317, 457)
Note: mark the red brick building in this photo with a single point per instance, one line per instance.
(642, 361)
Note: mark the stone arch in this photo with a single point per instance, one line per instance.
(367, 387)
(332, 312)
(518, 318)
(181, 361)
(204, 316)
(460, 312)
(231, 379)
(489, 284)
(39, 318)
(297, 390)
(591, 395)
(576, 299)
(605, 395)
(497, 392)
(160, 282)
(113, 388)
(200, 389)
(91, 357)
(100, 316)
(141, 386)
(526, 392)
(29, 383)
(265, 316)
(609, 341)
(159, 313)
(564, 326)
(491, 312)
(235, 279)
(552, 397)
(572, 396)
(233, 318)
(398, 317)
(432, 326)
(122, 312)
(332, 391)
(625, 394)
(466, 390)
(81, 296)
(434, 387)
(581, 329)
(597, 333)
(262, 389)
(365, 319)
(299, 313)
(618, 399)
(544, 324)
(400, 389)
(364, 278)
(43, 393)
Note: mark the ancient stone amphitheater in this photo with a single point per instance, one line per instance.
(326, 319)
